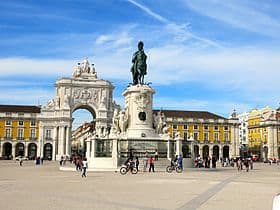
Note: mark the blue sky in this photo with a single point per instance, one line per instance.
(209, 55)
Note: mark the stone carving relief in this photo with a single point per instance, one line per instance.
(120, 121)
(142, 100)
(159, 122)
(50, 105)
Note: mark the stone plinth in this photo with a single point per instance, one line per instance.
(138, 106)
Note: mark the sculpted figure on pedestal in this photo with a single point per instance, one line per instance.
(139, 67)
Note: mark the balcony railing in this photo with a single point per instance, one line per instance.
(7, 137)
(49, 138)
(33, 138)
(20, 138)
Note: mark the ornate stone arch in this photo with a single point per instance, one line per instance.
(83, 91)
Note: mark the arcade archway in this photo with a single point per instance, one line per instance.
(7, 150)
(48, 149)
(226, 152)
(216, 152)
(196, 150)
(185, 150)
(205, 151)
(19, 149)
(32, 151)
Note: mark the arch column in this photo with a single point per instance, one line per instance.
(40, 141)
(211, 149)
(201, 150)
(61, 138)
(68, 142)
(54, 143)
(13, 150)
(25, 149)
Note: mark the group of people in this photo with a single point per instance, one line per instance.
(81, 164)
(148, 161)
(247, 162)
(205, 162)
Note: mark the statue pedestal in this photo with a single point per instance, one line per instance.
(138, 106)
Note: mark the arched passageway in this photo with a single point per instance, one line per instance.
(48, 149)
(196, 150)
(19, 149)
(205, 151)
(7, 151)
(32, 151)
(185, 150)
(216, 152)
(226, 152)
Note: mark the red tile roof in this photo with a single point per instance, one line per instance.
(20, 108)
(190, 114)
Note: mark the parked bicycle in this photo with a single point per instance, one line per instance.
(176, 168)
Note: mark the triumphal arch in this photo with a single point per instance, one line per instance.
(83, 91)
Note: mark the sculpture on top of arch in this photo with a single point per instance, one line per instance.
(85, 69)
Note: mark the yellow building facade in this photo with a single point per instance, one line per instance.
(263, 133)
(204, 133)
(19, 131)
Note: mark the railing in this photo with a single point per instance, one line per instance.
(20, 138)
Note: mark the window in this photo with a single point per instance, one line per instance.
(216, 136)
(205, 127)
(32, 133)
(20, 133)
(48, 134)
(33, 123)
(226, 128)
(206, 136)
(8, 133)
(8, 114)
(185, 135)
(174, 134)
(195, 136)
(20, 114)
(226, 136)
(195, 127)
(216, 128)
(175, 126)
(20, 123)
(185, 127)
(8, 122)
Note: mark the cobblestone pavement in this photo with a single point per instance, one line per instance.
(47, 188)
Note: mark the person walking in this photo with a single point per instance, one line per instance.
(84, 168)
(156, 155)
(136, 162)
(20, 161)
(151, 163)
(180, 162)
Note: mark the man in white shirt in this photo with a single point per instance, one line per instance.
(84, 168)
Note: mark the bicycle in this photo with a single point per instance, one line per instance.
(124, 169)
(176, 168)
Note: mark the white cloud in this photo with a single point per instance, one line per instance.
(180, 31)
(29, 66)
(241, 14)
